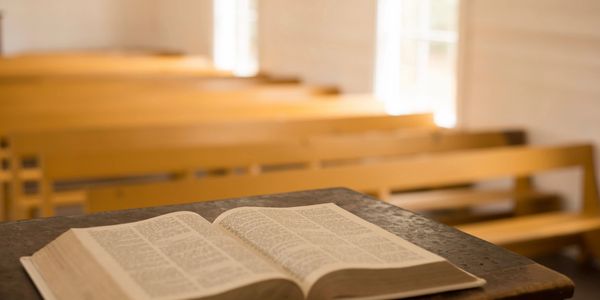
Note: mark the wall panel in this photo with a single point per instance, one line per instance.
(533, 64)
(323, 41)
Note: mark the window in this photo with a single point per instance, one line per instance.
(235, 23)
(416, 57)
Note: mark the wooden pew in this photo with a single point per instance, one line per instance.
(138, 97)
(36, 146)
(154, 110)
(26, 142)
(457, 205)
(104, 64)
(23, 87)
(54, 96)
(73, 164)
(531, 234)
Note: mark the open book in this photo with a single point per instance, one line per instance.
(307, 252)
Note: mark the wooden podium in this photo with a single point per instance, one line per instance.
(508, 275)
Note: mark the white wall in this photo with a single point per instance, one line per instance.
(136, 23)
(185, 25)
(533, 64)
(41, 25)
(322, 41)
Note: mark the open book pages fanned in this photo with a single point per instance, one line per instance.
(308, 252)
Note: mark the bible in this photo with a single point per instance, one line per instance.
(308, 252)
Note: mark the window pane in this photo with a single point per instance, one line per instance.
(235, 40)
(427, 75)
(444, 15)
(441, 59)
(408, 51)
(441, 81)
(410, 15)
(416, 53)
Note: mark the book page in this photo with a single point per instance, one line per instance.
(177, 255)
(310, 241)
(37, 278)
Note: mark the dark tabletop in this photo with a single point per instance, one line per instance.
(508, 275)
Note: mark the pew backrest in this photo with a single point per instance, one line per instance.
(402, 174)
(105, 152)
(208, 133)
(317, 151)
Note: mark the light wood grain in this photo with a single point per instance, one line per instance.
(96, 154)
(407, 173)
(94, 64)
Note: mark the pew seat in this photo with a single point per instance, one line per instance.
(551, 231)
(469, 204)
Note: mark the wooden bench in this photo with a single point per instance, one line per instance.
(201, 133)
(95, 64)
(28, 147)
(128, 159)
(457, 205)
(156, 111)
(31, 99)
(38, 90)
(528, 234)
(145, 100)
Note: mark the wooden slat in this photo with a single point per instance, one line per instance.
(29, 202)
(150, 109)
(408, 173)
(30, 174)
(71, 163)
(31, 143)
(4, 153)
(69, 197)
(53, 96)
(530, 228)
(187, 115)
(5, 176)
(95, 64)
(462, 198)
